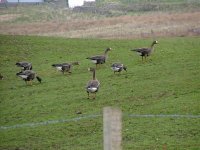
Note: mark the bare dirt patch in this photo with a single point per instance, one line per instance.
(137, 26)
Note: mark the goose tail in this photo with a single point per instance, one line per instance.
(39, 79)
(54, 65)
(134, 50)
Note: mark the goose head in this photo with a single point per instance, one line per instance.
(108, 49)
(155, 42)
(125, 68)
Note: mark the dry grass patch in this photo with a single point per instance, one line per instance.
(164, 24)
(8, 17)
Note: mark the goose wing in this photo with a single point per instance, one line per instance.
(57, 66)
(98, 57)
(25, 65)
(25, 74)
(141, 50)
(22, 64)
(116, 66)
(66, 67)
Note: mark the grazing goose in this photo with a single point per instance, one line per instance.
(145, 52)
(24, 65)
(118, 67)
(65, 67)
(28, 76)
(93, 85)
(100, 59)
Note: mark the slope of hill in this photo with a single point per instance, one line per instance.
(44, 116)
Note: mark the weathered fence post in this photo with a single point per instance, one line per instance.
(112, 125)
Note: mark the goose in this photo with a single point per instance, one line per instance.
(28, 76)
(100, 59)
(65, 67)
(92, 85)
(24, 65)
(145, 52)
(118, 67)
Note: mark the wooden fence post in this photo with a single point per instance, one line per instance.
(112, 125)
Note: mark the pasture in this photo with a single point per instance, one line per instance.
(44, 116)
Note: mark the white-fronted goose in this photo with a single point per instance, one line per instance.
(92, 85)
(145, 52)
(100, 59)
(118, 67)
(24, 65)
(28, 76)
(65, 67)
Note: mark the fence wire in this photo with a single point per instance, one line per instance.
(49, 122)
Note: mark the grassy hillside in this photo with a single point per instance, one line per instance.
(168, 83)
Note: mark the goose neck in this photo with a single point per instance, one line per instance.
(106, 52)
(94, 75)
(152, 46)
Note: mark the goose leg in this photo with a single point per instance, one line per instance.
(88, 95)
(94, 95)
(145, 57)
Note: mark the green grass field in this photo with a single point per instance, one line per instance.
(168, 83)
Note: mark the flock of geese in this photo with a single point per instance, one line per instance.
(92, 87)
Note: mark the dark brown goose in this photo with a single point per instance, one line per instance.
(100, 59)
(145, 52)
(92, 85)
(118, 67)
(28, 76)
(24, 65)
(65, 67)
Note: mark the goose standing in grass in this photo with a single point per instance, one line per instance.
(100, 59)
(92, 85)
(28, 76)
(24, 65)
(145, 52)
(118, 67)
(65, 67)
